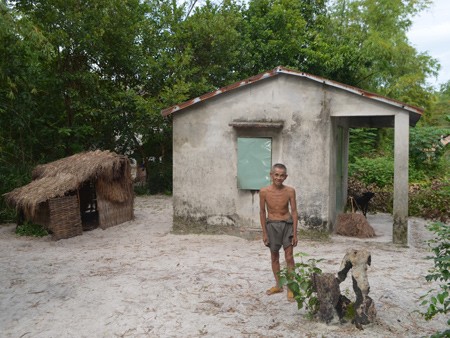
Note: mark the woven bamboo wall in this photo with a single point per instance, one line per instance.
(113, 213)
(115, 199)
(65, 219)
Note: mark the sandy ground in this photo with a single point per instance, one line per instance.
(139, 280)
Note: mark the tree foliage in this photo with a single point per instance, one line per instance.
(440, 115)
(283, 32)
(79, 75)
(370, 49)
(25, 50)
(426, 148)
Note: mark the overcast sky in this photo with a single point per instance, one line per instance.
(431, 32)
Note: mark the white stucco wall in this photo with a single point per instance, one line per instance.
(205, 152)
(205, 148)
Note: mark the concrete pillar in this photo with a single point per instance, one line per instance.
(401, 159)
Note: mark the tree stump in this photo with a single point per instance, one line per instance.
(332, 304)
(364, 306)
(327, 287)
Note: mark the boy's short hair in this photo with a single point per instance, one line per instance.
(279, 166)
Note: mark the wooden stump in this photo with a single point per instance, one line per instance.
(333, 305)
(364, 306)
(327, 287)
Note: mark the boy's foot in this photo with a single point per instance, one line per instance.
(274, 290)
(290, 297)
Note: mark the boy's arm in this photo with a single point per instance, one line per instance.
(262, 214)
(294, 215)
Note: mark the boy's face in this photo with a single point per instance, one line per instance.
(278, 176)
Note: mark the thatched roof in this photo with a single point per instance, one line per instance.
(59, 178)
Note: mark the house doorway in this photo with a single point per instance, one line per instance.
(88, 206)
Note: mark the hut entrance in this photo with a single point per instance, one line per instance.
(88, 206)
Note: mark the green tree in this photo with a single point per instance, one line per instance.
(283, 32)
(426, 149)
(97, 58)
(24, 50)
(97, 74)
(440, 114)
(189, 52)
(369, 49)
(210, 35)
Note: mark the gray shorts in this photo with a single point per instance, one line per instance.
(280, 233)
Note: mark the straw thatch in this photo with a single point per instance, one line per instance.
(65, 176)
(354, 225)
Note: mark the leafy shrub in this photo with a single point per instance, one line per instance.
(417, 175)
(362, 143)
(378, 170)
(141, 190)
(438, 301)
(430, 200)
(159, 180)
(10, 178)
(299, 282)
(426, 148)
(427, 199)
(30, 229)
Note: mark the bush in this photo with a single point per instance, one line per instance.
(378, 170)
(438, 301)
(11, 178)
(362, 143)
(430, 200)
(159, 180)
(426, 148)
(427, 199)
(30, 229)
(300, 283)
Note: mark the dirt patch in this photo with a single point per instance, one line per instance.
(138, 279)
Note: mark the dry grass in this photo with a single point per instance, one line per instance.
(110, 171)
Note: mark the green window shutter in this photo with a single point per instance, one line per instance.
(254, 163)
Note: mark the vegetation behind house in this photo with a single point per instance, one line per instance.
(90, 75)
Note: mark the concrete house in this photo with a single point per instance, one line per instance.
(225, 142)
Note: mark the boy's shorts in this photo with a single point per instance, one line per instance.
(280, 233)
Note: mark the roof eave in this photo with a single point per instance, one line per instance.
(283, 70)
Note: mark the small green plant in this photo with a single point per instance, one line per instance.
(300, 283)
(141, 190)
(379, 170)
(438, 300)
(30, 229)
(431, 200)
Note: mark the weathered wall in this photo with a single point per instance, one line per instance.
(310, 144)
(205, 152)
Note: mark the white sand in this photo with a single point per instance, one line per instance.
(138, 280)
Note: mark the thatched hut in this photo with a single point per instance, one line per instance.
(85, 190)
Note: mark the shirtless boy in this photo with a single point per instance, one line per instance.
(280, 227)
